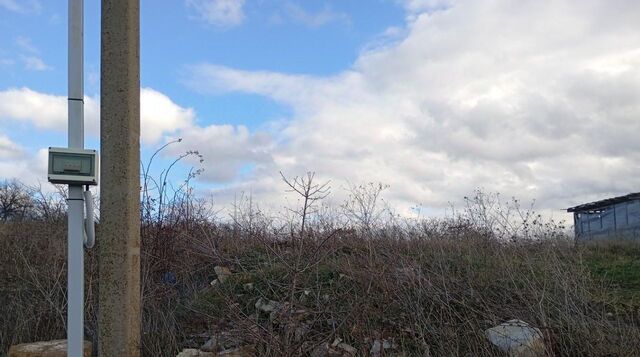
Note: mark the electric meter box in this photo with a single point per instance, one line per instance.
(73, 166)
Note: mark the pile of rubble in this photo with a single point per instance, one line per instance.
(515, 338)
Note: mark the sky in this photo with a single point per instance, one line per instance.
(536, 99)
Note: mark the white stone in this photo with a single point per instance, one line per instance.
(211, 345)
(376, 348)
(517, 338)
(267, 306)
(348, 348)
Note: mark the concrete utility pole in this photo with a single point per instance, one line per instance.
(119, 248)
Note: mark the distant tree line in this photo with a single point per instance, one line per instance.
(19, 201)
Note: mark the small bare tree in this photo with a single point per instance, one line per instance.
(248, 218)
(363, 207)
(310, 192)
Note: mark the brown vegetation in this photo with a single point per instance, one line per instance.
(423, 287)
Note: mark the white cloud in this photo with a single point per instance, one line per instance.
(214, 79)
(44, 111)
(159, 115)
(313, 19)
(22, 6)
(229, 149)
(28, 168)
(35, 63)
(536, 99)
(226, 149)
(221, 13)
(9, 149)
(31, 59)
(26, 45)
(6, 62)
(419, 6)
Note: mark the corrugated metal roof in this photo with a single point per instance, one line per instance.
(605, 202)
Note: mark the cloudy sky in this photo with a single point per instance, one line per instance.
(530, 98)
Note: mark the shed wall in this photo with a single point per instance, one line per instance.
(618, 221)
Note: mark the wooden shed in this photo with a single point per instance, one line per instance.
(608, 219)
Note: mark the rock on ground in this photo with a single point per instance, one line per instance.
(517, 338)
(379, 346)
(267, 306)
(211, 345)
(223, 273)
(57, 348)
(352, 351)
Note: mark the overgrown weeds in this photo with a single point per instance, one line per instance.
(414, 287)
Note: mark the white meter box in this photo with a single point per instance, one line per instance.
(73, 166)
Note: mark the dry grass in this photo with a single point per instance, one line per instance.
(427, 287)
(432, 291)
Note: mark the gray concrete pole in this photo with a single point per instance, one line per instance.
(119, 320)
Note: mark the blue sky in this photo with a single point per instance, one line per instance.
(433, 97)
(271, 37)
(319, 38)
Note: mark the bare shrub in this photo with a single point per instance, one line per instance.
(430, 296)
(507, 219)
(364, 207)
(15, 201)
(418, 287)
(163, 202)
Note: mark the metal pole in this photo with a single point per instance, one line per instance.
(119, 257)
(75, 201)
